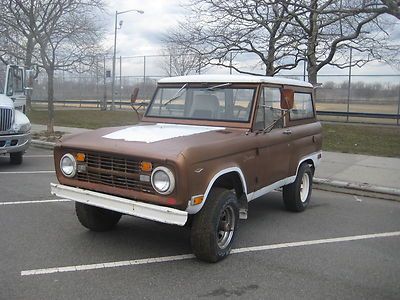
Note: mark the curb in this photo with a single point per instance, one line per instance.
(42, 144)
(360, 189)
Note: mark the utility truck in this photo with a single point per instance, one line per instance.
(15, 127)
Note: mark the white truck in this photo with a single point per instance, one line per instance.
(15, 135)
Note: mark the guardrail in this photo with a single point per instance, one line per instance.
(358, 114)
(97, 104)
(80, 103)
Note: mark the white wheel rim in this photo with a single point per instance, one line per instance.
(304, 187)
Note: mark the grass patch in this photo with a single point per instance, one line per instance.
(362, 139)
(83, 118)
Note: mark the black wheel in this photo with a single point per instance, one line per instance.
(296, 196)
(214, 227)
(96, 218)
(16, 158)
(189, 221)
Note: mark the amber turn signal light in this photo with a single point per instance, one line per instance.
(146, 166)
(80, 156)
(197, 200)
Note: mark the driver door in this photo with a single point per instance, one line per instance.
(273, 146)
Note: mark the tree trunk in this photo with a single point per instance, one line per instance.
(28, 64)
(269, 65)
(312, 44)
(393, 7)
(312, 75)
(50, 99)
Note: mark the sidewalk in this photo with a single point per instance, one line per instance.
(342, 172)
(358, 174)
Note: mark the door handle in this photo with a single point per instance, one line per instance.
(287, 131)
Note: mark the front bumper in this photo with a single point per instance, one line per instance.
(14, 142)
(126, 206)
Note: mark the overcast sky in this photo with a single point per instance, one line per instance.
(141, 34)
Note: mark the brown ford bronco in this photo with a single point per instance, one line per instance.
(206, 146)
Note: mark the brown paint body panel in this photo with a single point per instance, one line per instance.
(182, 154)
(263, 158)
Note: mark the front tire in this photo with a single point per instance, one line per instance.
(296, 196)
(16, 158)
(96, 218)
(214, 227)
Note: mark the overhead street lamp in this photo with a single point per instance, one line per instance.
(115, 51)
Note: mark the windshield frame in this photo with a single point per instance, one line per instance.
(246, 124)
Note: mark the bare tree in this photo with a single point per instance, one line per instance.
(19, 34)
(69, 39)
(282, 33)
(218, 29)
(66, 33)
(392, 7)
(332, 26)
(180, 60)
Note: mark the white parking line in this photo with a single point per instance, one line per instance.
(34, 202)
(190, 256)
(27, 172)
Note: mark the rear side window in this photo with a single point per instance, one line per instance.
(303, 107)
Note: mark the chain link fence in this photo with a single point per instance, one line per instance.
(339, 98)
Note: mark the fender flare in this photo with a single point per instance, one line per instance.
(315, 157)
(196, 208)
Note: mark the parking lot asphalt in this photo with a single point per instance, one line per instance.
(343, 246)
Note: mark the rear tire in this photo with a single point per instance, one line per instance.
(16, 158)
(214, 227)
(96, 218)
(296, 196)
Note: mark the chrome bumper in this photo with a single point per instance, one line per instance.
(14, 142)
(126, 206)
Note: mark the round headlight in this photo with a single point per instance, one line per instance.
(163, 180)
(68, 165)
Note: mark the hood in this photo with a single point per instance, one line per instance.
(157, 141)
(6, 102)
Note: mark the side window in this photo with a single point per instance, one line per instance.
(302, 108)
(15, 81)
(10, 83)
(18, 80)
(268, 109)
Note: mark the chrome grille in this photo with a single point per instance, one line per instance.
(114, 171)
(6, 118)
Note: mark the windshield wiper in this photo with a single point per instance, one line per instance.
(211, 88)
(271, 126)
(176, 96)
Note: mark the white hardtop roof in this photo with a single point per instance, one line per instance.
(216, 78)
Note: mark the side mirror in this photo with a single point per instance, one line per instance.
(134, 95)
(29, 75)
(9, 87)
(287, 99)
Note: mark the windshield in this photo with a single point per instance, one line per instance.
(14, 82)
(217, 102)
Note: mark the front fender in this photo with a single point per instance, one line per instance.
(193, 209)
(20, 118)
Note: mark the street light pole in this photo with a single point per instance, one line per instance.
(115, 53)
(113, 63)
